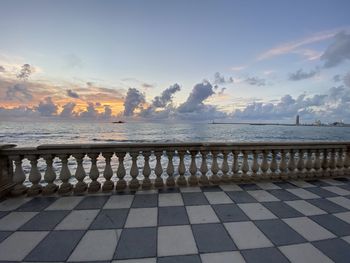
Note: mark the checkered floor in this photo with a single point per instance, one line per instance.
(294, 221)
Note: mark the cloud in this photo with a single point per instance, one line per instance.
(147, 85)
(238, 68)
(18, 92)
(220, 79)
(300, 75)
(2, 69)
(133, 100)
(72, 61)
(72, 94)
(47, 107)
(337, 78)
(338, 51)
(166, 96)
(25, 72)
(255, 81)
(68, 110)
(347, 79)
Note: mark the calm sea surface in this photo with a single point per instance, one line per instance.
(36, 133)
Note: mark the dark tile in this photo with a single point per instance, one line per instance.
(4, 235)
(321, 192)
(92, 202)
(279, 232)
(37, 204)
(110, 219)
(241, 197)
(137, 243)
(56, 246)
(194, 199)
(283, 195)
(264, 255)
(172, 215)
(318, 183)
(180, 259)
(248, 187)
(336, 249)
(45, 220)
(169, 190)
(333, 224)
(282, 210)
(211, 188)
(285, 185)
(3, 213)
(230, 213)
(342, 179)
(345, 187)
(212, 238)
(327, 205)
(145, 200)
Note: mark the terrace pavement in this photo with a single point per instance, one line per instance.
(294, 221)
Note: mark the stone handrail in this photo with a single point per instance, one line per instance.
(77, 168)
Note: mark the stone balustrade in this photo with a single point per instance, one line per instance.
(79, 168)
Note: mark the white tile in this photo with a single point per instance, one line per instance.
(256, 211)
(302, 193)
(89, 249)
(119, 201)
(17, 246)
(65, 203)
(139, 260)
(222, 257)
(337, 190)
(302, 184)
(340, 200)
(218, 198)
(190, 189)
(77, 220)
(263, 196)
(142, 217)
(230, 187)
(347, 239)
(309, 229)
(345, 216)
(201, 214)
(304, 253)
(145, 192)
(332, 182)
(171, 199)
(305, 207)
(13, 203)
(246, 235)
(176, 240)
(15, 220)
(268, 186)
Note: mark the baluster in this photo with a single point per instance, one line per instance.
(265, 165)
(283, 166)
(325, 163)
(94, 186)
(332, 167)
(146, 183)
(245, 166)
(80, 174)
(18, 177)
(134, 172)
(181, 180)
(214, 178)
(108, 185)
(317, 164)
(158, 170)
(291, 165)
(273, 165)
(255, 166)
(121, 184)
(347, 161)
(65, 175)
(224, 168)
(170, 181)
(49, 176)
(34, 176)
(340, 163)
(204, 180)
(300, 164)
(193, 180)
(308, 165)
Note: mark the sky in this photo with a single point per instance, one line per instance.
(175, 60)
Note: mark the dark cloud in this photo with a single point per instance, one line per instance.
(90, 112)
(347, 80)
(221, 92)
(338, 51)
(47, 107)
(220, 79)
(300, 75)
(25, 72)
(68, 110)
(255, 81)
(337, 78)
(2, 69)
(107, 114)
(72, 94)
(18, 92)
(166, 96)
(147, 85)
(133, 100)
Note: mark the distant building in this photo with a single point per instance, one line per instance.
(297, 121)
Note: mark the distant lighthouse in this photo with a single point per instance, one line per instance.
(297, 123)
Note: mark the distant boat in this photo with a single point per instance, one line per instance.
(118, 122)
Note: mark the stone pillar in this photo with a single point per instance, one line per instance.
(170, 181)
(94, 186)
(181, 180)
(158, 170)
(121, 184)
(193, 180)
(108, 185)
(225, 168)
(204, 180)
(134, 172)
(65, 175)
(34, 176)
(49, 176)
(146, 183)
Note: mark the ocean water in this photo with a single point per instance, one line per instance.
(36, 133)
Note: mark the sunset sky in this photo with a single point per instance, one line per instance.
(175, 60)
